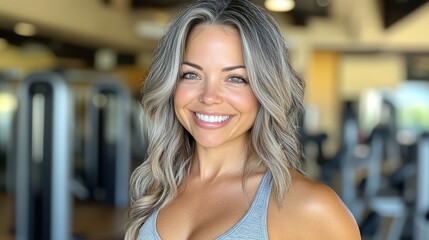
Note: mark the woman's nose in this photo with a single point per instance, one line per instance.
(210, 93)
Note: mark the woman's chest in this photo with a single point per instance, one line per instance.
(209, 210)
(201, 215)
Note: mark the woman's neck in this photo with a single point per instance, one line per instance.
(211, 163)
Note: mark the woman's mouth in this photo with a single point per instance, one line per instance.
(212, 118)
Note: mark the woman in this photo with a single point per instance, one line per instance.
(223, 156)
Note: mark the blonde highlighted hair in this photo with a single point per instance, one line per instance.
(273, 141)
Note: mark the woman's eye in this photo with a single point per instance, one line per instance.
(189, 75)
(236, 79)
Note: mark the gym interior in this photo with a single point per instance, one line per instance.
(71, 120)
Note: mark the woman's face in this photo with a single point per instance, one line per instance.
(213, 99)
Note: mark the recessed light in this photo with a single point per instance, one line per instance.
(279, 5)
(25, 29)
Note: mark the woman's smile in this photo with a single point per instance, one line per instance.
(212, 118)
(211, 121)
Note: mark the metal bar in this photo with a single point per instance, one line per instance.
(421, 224)
(8, 108)
(43, 197)
(110, 107)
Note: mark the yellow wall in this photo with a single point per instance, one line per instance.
(359, 72)
(322, 99)
(26, 60)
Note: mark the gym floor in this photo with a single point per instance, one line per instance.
(91, 221)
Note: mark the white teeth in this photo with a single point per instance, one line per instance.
(211, 118)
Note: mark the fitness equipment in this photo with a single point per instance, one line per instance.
(108, 147)
(349, 140)
(421, 223)
(384, 203)
(43, 197)
(8, 108)
(353, 163)
(392, 194)
(139, 133)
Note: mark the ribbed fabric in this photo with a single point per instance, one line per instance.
(252, 226)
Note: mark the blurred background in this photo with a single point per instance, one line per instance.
(70, 119)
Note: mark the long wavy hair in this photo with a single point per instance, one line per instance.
(273, 141)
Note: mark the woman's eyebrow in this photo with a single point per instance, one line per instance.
(193, 65)
(225, 69)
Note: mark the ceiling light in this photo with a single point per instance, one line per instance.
(25, 29)
(279, 5)
(146, 29)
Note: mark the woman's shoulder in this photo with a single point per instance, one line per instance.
(311, 210)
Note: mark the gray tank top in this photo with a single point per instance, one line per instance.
(252, 226)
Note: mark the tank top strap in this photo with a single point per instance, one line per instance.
(253, 225)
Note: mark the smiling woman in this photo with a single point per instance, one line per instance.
(223, 159)
(213, 99)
